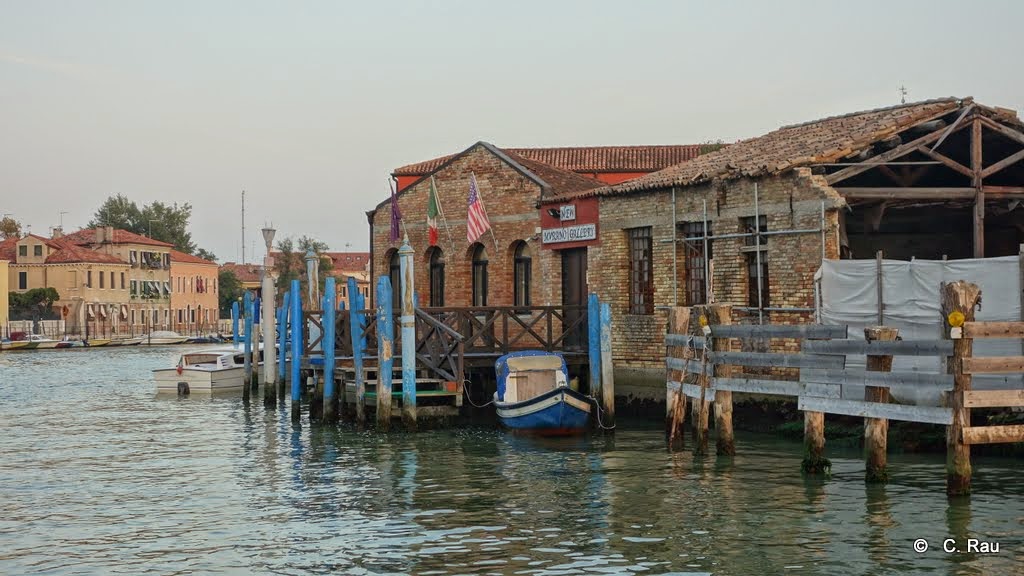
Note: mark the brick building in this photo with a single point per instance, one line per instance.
(893, 179)
(506, 268)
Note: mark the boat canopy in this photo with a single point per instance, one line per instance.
(524, 361)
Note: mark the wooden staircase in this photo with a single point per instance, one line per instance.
(433, 395)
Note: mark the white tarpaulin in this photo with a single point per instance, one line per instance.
(910, 294)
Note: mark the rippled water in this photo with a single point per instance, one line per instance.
(100, 476)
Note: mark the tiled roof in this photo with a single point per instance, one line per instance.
(561, 182)
(63, 252)
(825, 140)
(183, 258)
(244, 272)
(88, 236)
(349, 260)
(586, 159)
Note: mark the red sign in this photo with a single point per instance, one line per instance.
(570, 224)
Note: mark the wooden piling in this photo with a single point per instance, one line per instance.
(328, 320)
(703, 407)
(356, 328)
(282, 350)
(408, 321)
(675, 400)
(721, 314)
(594, 344)
(385, 352)
(876, 430)
(607, 369)
(959, 300)
(247, 350)
(254, 345)
(297, 327)
(234, 324)
(269, 325)
(814, 461)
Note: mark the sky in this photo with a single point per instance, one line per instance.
(308, 106)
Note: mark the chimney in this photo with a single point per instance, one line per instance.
(57, 233)
(99, 234)
(109, 233)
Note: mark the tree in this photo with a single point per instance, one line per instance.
(205, 254)
(167, 223)
(36, 303)
(10, 228)
(230, 291)
(290, 264)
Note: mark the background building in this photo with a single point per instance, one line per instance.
(194, 305)
(3, 296)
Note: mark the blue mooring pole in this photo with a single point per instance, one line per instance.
(296, 329)
(607, 372)
(385, 352)
(247, 351)
(234, 324)
(282, 351)
(254, 344)
(328, 321)
(408, 295)
(355, 314)
(594, 344)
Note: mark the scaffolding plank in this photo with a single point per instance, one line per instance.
(994, 365)
(993, 398)
(777, 387)
(684, 340)
(994, 330)
(925, 414)
(778, 331)
(888, 348)
(692, 390)
(691, 366)
(993, 434)
(773, 360)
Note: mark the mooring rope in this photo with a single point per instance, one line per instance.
(465, 391)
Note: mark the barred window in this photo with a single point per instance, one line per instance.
(395, 273)
(436, 277)
(641, 281)
(521, 274)
(696, 267)
(479, 275)
(758, 285)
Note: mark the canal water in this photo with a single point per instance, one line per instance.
(98, 475)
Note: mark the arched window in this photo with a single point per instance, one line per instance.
(479, 275)
(395, 276)
(522, 272)
(436, 277)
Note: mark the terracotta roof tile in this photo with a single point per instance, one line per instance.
(244, 272)
(561, 181)
(68, 253)
(88, 236)
(586, 159)
(8, 249)
(183, 258)
(825, 140)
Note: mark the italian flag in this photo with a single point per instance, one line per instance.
(432, 213)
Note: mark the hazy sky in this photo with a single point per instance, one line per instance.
(309, 105)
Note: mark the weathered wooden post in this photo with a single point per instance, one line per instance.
(594, 344)
(356, 329)
(385, 352)
(405, 255)
(234, 324)
(876, 430)
(675, 400)
(607, 368)
(719, 315)
(959, 300)
(282, 350)
(329, 326)
(296, 335)
(247, 350)
(702, 406)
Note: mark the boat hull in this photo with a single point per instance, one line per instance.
(203, 381)
(561, 411)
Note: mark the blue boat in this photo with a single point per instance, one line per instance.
(534, 395)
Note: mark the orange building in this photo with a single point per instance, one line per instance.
(193, 294)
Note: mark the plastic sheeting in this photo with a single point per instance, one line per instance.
(910, 293)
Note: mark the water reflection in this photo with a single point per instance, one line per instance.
(106, 478)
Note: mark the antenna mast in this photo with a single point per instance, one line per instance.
(243, 226)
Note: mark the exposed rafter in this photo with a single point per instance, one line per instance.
(882, 158)
(946, 161)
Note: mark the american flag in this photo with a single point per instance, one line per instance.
(476, 220)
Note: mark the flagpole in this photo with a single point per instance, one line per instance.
(480, 198)
(440, 210)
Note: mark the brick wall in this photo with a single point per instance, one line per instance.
(510, 200)
(792, 201)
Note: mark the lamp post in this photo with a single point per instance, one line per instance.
(269, 322)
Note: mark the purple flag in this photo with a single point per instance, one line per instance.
(396, 214)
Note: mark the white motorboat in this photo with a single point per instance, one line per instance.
(216, 370)
(37, 342)
(163, 337)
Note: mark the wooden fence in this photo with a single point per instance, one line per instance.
(703, 365)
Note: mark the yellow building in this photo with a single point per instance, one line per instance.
(149, 274)
(4, 305)
(194, 306)
(92, 286)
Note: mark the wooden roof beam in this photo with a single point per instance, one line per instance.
(946, 161)
(902, 150)
(862, 193)
(1009, 160)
